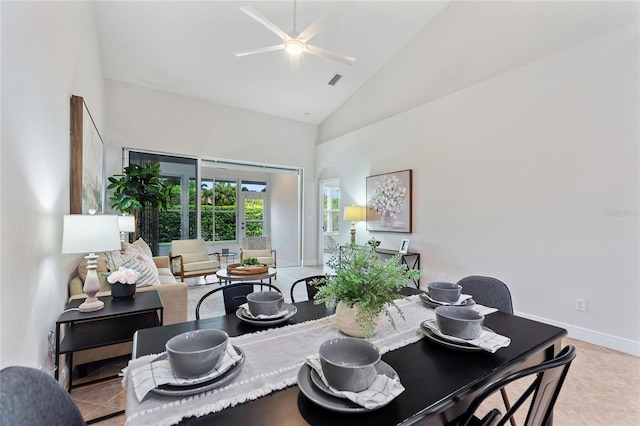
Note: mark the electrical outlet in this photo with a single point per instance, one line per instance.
(443, 276)
(581, 305)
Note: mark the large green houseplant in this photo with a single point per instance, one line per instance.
(140, 190)
(364, 283)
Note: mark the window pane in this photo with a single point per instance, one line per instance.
(225, 211)
(252, 186)
(336, 221)
(254, 229)
(206, 209)
(225, 226)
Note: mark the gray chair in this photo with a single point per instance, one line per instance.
(311, 283)
(491, 292)
(234, 295)
(488, 291)
(540, 396)
(32, 397)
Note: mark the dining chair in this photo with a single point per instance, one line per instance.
(540, 396)
(32, 397)
(234, 295)
(311, 283)
(494, 293)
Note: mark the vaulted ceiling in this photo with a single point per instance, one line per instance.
(185, 47)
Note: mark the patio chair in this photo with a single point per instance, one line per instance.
(540, 396)
(190, 258)
(234, 295)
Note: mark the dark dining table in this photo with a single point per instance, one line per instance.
(440, 382)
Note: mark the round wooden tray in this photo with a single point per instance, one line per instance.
(236, 269)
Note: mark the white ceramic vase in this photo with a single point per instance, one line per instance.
(345, 320)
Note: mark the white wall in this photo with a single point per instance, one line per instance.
(50, 51)
(530, 176)
(148, 119)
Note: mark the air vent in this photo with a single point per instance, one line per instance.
(335, 79)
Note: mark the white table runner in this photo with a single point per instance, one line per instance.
(273, 358)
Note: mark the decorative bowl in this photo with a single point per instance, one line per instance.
(238, 269)
(458, 321)
(196, 353)
(349, 364)
(444, 292)
(264, 302)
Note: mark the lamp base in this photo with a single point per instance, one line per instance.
(91, 304)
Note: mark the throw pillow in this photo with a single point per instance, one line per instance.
(143, 246)
(147, 277)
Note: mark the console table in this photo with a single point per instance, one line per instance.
(410, 258)
(115, 323)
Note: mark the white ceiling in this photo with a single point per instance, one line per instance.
(185, 47)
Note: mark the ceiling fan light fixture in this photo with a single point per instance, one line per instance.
(294, 46)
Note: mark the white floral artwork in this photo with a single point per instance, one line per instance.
(389, 202)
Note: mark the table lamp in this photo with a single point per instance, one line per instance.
(90, 234)
(126, 224)
(354, 213)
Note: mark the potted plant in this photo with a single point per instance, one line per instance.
(363, 286)
(141, 190)
(123, 282)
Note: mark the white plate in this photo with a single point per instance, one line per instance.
(442, 340)
(323, 399)
(223, 379)
(424, 298)
(291, 311)
(247, 315)
(382, 368)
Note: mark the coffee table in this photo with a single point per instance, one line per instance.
(227, 278)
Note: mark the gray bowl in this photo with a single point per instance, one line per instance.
(349, 364)
(265, 302)
(458, 321)
(196, 353)
(444, 292)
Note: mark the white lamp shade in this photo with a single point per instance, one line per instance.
(90, 234)
(127, 223)
(354, 213)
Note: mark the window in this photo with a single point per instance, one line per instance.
(330, 209)
(225, 211)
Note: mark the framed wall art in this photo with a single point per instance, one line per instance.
(389, 202)
(404, 246)
(87, 190)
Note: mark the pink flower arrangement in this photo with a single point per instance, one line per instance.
(124, 276)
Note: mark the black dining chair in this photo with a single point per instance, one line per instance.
(32, 397)
(311, 283)
(234, 295)
(541, 395)
(494, 293)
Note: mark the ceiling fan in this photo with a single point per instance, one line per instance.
(295, 42)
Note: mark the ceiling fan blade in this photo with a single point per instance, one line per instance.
(264, 21)
(295, 67)
(258, 50)
(319, 24)
(324, 53)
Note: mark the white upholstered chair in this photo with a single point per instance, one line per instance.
(260, 248)
(190, 258)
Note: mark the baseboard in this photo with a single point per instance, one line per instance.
(621, 344)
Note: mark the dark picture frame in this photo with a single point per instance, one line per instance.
(389, 199)
(87, 191)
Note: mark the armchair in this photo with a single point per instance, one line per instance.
(260, 248)
(189, 258)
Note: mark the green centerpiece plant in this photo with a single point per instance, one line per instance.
(363, 286)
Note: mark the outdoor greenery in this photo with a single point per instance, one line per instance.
(363, 279)
(225, 215)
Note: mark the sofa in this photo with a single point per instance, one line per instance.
(173, 295)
